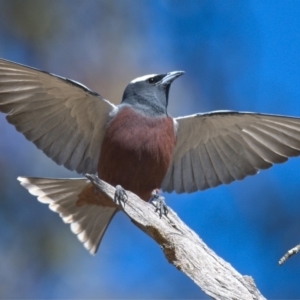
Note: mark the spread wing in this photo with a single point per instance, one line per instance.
(61, 117)
(223, 146)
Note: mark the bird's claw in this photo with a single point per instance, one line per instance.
(120, 196)
(160, 204)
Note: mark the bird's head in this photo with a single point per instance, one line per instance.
(150, 93)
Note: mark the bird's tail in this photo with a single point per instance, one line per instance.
(88, 222)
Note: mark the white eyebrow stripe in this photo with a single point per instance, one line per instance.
(143, 78)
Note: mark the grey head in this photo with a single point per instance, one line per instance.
(149, 94)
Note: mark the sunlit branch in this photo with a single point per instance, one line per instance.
(290, 253)
(185, 250)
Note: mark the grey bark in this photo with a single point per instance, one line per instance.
(290, 253)
(185, 250)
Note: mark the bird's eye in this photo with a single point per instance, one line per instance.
(151, 80)
(157, 78)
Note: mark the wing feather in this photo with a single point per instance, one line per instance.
(178, 180)
(200, 179)
(218, 164)
(223, 146)
(188, 178)
(61, 117)
(210, 173)
(222, 163)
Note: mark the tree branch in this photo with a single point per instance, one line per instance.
(185, 250)
(290, 253)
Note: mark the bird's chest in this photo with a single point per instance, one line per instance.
(136, 151)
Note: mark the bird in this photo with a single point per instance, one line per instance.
(135, 144)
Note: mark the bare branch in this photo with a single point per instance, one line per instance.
(185, 250)
(290, 253)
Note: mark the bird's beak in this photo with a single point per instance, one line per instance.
(170, 77)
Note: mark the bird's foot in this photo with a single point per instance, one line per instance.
(95, 180)
(120, 196)
(159, 203)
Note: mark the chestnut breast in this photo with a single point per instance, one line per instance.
(136, 151)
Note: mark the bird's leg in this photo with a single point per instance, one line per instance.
(159, 203)
(120, 196)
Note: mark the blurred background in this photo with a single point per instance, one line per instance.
(238, 55)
